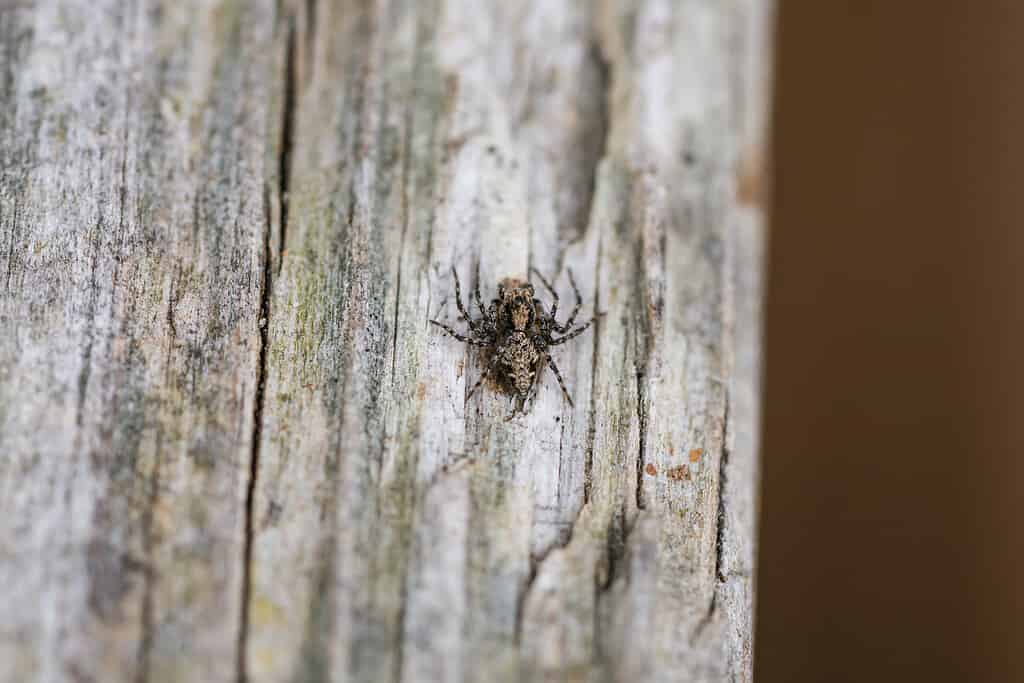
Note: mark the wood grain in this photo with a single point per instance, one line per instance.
(235, 449)
(139, 145)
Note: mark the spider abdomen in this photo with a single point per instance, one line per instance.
(518, 359)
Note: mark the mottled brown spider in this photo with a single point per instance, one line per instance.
(517, 333)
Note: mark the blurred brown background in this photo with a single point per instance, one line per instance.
(891, 548)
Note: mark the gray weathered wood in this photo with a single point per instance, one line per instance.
(232, 445)
(138, 145)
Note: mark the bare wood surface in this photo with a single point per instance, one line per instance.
(233, 448)
(138, 146)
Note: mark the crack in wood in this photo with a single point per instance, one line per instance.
(535, 566)
(14, 229)
(287, 135)
(588, 463)
(641, 414)
(90, 330)
(288, 113)
(720, 576)
(720, 516)
(263, 323)
(146, 618)
(601, 122)
(706, 618)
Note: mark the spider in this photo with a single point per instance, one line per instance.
(517, 332)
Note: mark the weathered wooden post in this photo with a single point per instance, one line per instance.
(232, 446)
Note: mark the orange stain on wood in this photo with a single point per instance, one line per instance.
(680, 473)
(421, 391)
(651, 470)
(695, 454)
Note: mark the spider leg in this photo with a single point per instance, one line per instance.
(458, 300)
(575, 309)
(575, 333)
(547, 285)
(558, 376)
(479, 299)
(462, 338)
(483, 376)
(518, 407)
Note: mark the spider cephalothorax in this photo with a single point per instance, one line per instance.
(517, 332)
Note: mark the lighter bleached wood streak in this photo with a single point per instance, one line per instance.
(233, 446)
